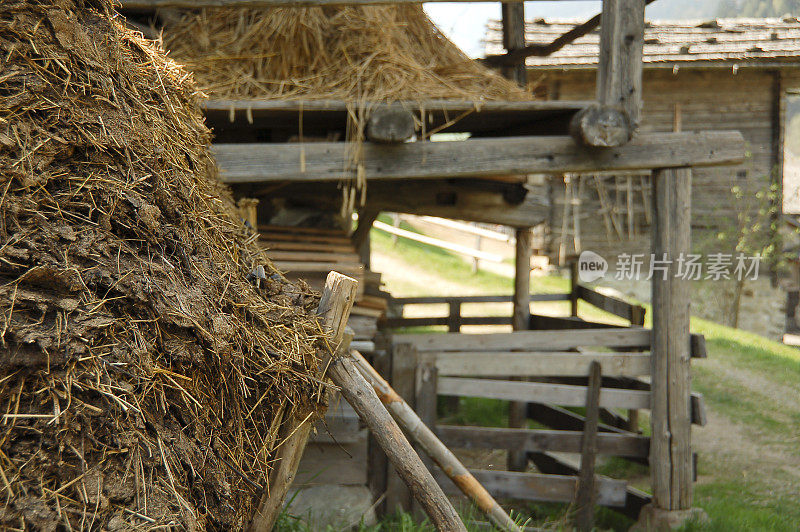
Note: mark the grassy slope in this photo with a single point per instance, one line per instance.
(749, 472)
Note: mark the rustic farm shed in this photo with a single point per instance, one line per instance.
(741, 74)
(265, 152)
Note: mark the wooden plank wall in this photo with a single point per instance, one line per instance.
(689, 99)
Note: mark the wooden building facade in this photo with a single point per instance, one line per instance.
(705, 75)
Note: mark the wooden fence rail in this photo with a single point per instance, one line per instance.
(454, 320)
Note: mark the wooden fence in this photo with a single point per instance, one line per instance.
(426, 366)
(548, 370)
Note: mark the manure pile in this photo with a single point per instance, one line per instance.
(353, 53)
(143, 378)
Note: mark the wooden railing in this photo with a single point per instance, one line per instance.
(454, 319)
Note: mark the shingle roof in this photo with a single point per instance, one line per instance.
(717, 42)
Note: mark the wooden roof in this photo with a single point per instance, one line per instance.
(720, 42)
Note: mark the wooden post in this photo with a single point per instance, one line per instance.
(587, 489)
(365, 220)
(520, 321)
(514, 38)
(248, 210)
(334, 309)
(452, 403)
(377, 463)
(404, 364)
(670, 449)
(454, 316)
(619, 77)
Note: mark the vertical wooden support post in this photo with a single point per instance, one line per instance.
(454, 315)
(248, 210)
(360, 237)
(377, 462)
(615, 118)
(404, 364)
(514, 39)
(520, 321)
(587, 490)
(573, 288)
(670, 449)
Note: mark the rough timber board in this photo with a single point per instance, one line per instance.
(540, 392)
(537, 487)
(322, 116)
(325, 161)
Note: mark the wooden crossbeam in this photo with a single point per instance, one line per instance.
(540, 392)
(483, 157)
(531, 364)
(538, 487)
(540, 440)
(197, 4)
(529, 340)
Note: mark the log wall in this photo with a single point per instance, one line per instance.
(688, 100)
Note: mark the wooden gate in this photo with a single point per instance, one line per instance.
(550, 371)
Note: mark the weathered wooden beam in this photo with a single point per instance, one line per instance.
(530, 340)
(326, 161)
(540, 392)
(197, 4)
(670, 451)
(390, 125)
(474, 299)
(541, 440)
(538, 487)
(615, 306)
(619, 77)
(505, 204)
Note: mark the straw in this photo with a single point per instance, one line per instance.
(354, 53)
(143, 376)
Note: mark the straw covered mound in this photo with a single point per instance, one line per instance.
(143, 378)
(354, 53)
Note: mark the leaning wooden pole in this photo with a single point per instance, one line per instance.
(433, 446)
(520, 321)
(356, 391)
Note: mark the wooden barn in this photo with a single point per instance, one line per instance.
(741, 74)
(290, 159)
